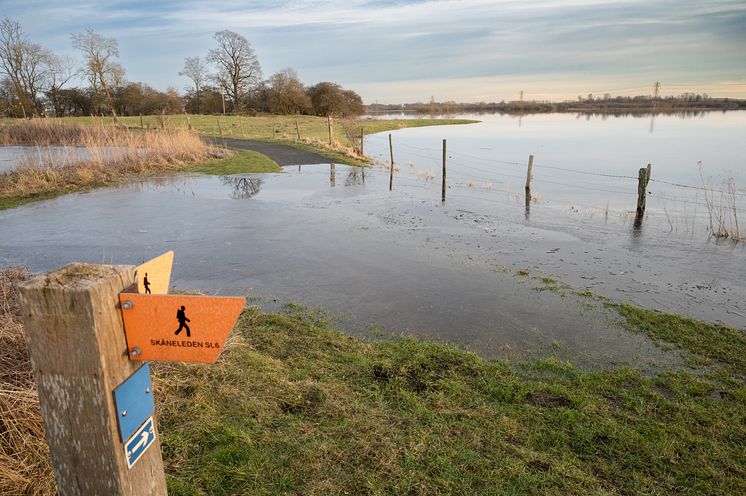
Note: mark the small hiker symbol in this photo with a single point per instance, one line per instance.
(182, 318)
(146, 283)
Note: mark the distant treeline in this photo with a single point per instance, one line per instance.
(590, 104)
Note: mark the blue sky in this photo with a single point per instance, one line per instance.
(398, 51)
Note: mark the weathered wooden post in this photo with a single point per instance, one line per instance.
(643, 177)
(79, 356)
(297, 130)
(529, 176)
(331, 136)
(220, 129)
(391, 169)
(443, 186)
(362, 142)
(141, 126)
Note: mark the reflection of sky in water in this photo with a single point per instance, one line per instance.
(582, 161)
(13, 156)
(335, 237)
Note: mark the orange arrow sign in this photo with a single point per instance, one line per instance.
(154, 275)
(177, 328)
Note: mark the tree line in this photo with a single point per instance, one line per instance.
(34, 82)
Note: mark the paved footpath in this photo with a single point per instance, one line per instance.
(282, 154)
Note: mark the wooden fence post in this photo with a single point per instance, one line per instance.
(443, 186)
(391, 169)
(79, 356)
(297, 130)
(141, 126)
(643, 177)
(362, 142)
(529, 176)
(220, 129)
(331, 136)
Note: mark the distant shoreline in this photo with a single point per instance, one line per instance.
(614, 106)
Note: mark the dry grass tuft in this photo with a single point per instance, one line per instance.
(25, 466)
(108, 154)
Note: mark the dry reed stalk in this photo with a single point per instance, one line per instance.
(25, 466)
(101, 155)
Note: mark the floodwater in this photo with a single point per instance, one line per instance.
(23, 155)
(324, 236)
(335, 237)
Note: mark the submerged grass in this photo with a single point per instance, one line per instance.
(294, 407)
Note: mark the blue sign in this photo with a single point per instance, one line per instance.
(139, 442)
(134, 401)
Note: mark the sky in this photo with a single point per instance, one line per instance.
(397, 51)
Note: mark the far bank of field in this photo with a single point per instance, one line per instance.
(165, 144)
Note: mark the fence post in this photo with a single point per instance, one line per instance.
(391, 169)
(189, 121)
(220, 129)
(643, 177)
(362, 141)
(297, 130)
(331, 136)
(141, 126)
(529, 176)
(79, 356)
(443, 186)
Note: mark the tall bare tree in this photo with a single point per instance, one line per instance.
(196, 70)
(24, 63)
(286, 94)
(60, 72)
(101, 68)
(237, 65)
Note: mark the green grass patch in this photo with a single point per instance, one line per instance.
(711, 343)
(295, 407)
(241, 162)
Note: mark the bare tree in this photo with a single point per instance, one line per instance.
(25, 64)
(196, 70)
(103, 72)
(286, 94)
(237, 65)
(60, 72)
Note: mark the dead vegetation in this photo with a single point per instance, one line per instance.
(70, 157)
(25, 467)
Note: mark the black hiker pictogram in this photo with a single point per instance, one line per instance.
(182, 318)
(146, 283)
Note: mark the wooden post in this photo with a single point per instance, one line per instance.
(163, 118)
(141, 126)
(529, 176)
(79, 356)
(331, 136)
(643, 177)
(443, 186)
(362, 142)
(297, 130)
(220, 129)
(391, 170)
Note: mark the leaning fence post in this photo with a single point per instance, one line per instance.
(391, 169)
(79, 356)
(643, 177)
(529, 176)
(443, 185)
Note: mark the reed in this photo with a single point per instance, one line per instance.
(25, 466)
(72, 157)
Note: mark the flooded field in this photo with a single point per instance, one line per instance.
(335, 237)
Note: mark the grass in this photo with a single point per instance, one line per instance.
(112, 154)
(295, 407)
(241, 162)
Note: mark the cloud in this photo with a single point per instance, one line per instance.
(401, 44)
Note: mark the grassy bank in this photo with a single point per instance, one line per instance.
(295, 407)
(111, 155)
(306, 131)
